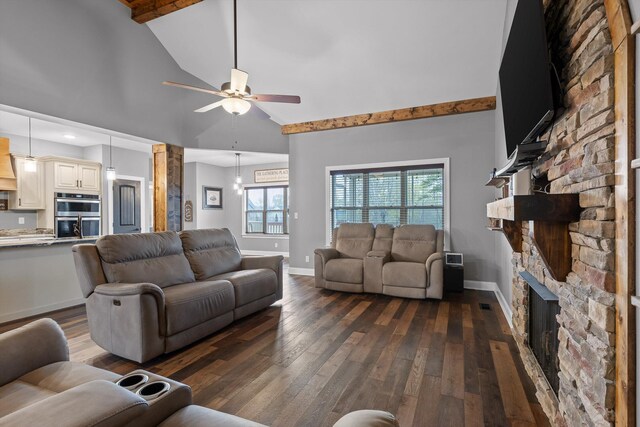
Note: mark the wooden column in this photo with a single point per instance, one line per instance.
(619, 20)
(168, 181)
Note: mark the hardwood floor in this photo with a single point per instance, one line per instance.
(318, 354)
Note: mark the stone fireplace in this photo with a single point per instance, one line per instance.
(579, 159)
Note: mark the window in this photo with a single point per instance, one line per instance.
(393, 195)
(266, 210)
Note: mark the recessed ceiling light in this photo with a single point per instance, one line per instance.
(69, 136)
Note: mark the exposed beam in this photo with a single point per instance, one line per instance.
(413, 113)
(620, 26)
(145, 10)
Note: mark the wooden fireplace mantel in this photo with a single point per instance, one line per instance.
(549, 216)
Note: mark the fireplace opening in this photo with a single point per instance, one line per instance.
(543, 328)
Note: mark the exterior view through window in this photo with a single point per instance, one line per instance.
(266, 210)
(395, 195)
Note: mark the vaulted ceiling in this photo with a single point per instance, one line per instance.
(342, 57)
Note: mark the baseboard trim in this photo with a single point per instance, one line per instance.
(264, 253)
(301, 271)
(492, 287)
(504, 305)
(480, 286)
(17, 315)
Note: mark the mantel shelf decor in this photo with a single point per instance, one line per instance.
(549, 216)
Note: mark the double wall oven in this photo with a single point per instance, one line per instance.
(77, 215)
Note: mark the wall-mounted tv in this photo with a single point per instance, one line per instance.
(525, 78)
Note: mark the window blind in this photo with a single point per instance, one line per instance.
(402, 195)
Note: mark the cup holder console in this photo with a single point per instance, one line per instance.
(132, 381)
(153, 390)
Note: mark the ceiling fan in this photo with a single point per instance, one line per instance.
(236, 94)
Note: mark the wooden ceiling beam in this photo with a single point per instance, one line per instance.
(390, 116)
(143, 11)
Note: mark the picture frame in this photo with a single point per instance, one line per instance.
(211, 197)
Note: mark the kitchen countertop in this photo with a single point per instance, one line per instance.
(22, 241)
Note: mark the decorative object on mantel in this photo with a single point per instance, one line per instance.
(111, 171)
(549, 216)
(211, 197)
(237, 185)
(30, 163)
(7, 177)
(235, 93)
(188, 211)
(271, 175)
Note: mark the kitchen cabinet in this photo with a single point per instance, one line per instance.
(71, 176)
(29, 194)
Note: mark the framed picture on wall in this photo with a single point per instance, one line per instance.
(211, 197)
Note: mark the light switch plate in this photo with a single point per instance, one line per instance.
(21, 220)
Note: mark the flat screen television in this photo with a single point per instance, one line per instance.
(525, 77)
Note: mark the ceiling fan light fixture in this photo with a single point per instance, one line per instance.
(237, 106)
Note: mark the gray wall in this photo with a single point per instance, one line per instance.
(468, 140)
(197, 175)
(87, 61)
(234, 212)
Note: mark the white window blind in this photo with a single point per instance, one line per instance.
(396, 195)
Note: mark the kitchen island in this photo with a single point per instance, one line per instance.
(37, 275)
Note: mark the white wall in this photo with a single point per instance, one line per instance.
(468, 140)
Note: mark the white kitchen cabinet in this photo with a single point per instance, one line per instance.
(89, 176)
(30, 187)
(84, 177)
(66, 176)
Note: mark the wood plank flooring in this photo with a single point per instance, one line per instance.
(318, 354)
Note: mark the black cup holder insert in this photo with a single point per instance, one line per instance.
(131, 382)
(153, 390)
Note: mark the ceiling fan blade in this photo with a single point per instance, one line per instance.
(258, 113)
(209, 107)
(289, 99)
(238, 80)
(198, 89)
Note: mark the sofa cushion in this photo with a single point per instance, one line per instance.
(251, 285)
(405, 274)
(354, 240)
(144, 257)
(344, 270)
(189, 304)
(19, 394)
(413, 243)
(60, 376)
(383, 239)
(198, 416)
(211, 252)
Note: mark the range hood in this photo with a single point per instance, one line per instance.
(7, 177)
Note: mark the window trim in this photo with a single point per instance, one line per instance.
(285, 223)
(445, 161)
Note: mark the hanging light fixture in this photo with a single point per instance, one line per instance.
(111, 171)
(30, 163)
(238, 179)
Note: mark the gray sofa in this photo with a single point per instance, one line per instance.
(39, 386)
(153, 293)
(405, 261)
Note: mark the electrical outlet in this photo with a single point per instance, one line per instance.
(275, 245)
(306, 259)
(295, 215)
(21, 220)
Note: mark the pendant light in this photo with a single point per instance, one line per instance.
(30, 163)
(238, 179)
(111, 171)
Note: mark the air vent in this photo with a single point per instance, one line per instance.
(485, 306)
